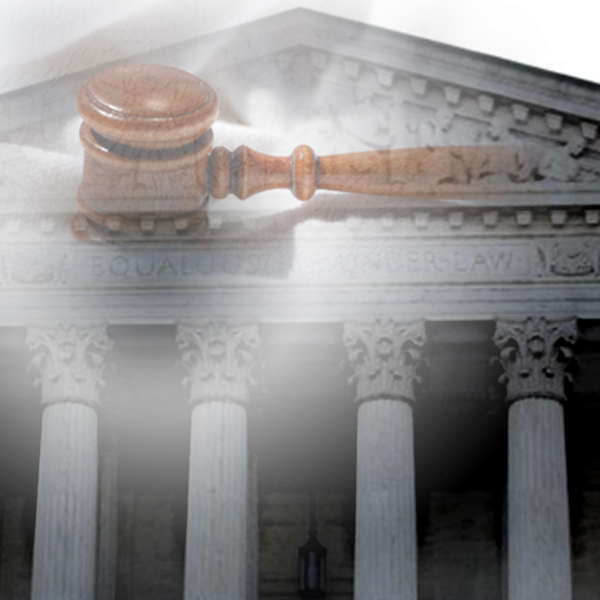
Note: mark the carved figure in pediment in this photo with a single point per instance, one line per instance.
(561, 164)
(513, 165)
(368, 118)
(498, 130)
(438, 131)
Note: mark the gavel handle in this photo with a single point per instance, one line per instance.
(402, 172)
(245, 172)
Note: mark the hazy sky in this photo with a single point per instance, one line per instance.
(44, 38)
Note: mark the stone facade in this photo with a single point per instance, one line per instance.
(424, 368)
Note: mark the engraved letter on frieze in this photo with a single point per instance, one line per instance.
(70, 359)
(536, 354)
(385, 356)
(219, 358)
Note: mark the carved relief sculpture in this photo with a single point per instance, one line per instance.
(561, 164)
(511, 166)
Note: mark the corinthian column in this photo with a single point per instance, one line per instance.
(385, 356)
(219, 359)
(70, 360)
(535, 354)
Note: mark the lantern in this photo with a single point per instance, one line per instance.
(311, 559)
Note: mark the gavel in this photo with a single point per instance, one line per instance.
(150, 164)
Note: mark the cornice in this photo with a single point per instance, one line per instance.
(331, 36)
(388, 52)
(333, 217)
(443, 62)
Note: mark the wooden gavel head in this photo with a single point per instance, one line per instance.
(147, 135)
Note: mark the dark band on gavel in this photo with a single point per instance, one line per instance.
(148, 155)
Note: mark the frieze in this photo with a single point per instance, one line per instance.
(415, 262)
(94, 266)
(385, 260)
(187, 266)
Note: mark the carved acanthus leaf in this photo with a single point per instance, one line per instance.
(70, 359)
(219, 357)
(536, 354)
(385, 356)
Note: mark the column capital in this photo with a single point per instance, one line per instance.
(70, 359)
(219, 357)
(536, 354)
(385, 356)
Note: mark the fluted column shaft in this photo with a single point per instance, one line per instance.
(538, 511)
(219, 359)
(385, 357)
(385, 553)
(70, 360)
(65, 535)
(535, 354)
(217, 503)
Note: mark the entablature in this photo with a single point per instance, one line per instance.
(501, 237)
(456, 264)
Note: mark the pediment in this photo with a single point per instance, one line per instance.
(342, 86)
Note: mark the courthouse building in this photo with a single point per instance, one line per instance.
(358, 396)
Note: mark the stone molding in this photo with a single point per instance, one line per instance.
(514, 213)
(385, 356)
(219, 357)
(70, 359)
(536, 354)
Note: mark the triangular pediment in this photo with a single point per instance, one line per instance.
(342, 86)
